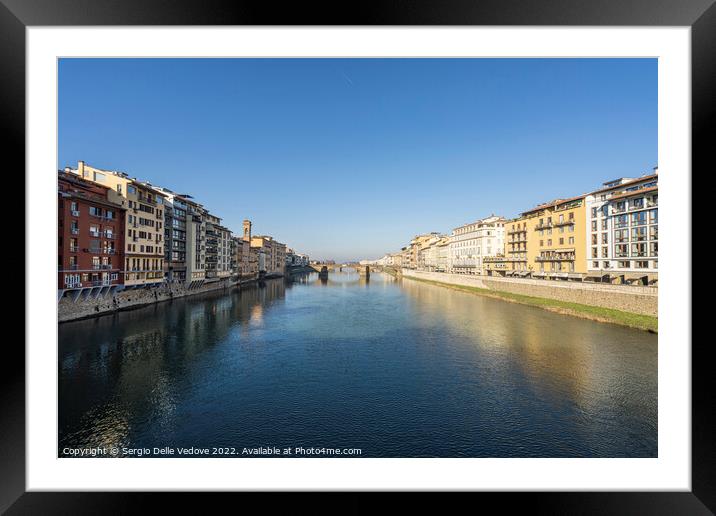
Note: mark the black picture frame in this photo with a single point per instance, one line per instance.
(17, 15)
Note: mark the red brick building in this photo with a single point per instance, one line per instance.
(90, 239)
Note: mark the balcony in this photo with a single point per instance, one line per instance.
(564, 223)
(543, 226)
(95, 234)
(556, 258)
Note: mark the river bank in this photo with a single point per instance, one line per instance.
(604, 314)
(89, 306)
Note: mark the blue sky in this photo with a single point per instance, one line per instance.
(350, 158)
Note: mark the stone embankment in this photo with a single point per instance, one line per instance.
(84, 307)
(626, 298)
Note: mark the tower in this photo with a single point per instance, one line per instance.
(247, 230)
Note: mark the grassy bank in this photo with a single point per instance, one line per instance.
(594, 313)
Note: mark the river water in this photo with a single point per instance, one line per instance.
(392, 368)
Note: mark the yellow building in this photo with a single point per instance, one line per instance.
(517, 233)
(550, 240)
(144, 238)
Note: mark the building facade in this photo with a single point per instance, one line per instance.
(90, 237)
(272, 255)
(623, 231)
(556, 239)
(470, 243)
(144, 235)
(218, 249)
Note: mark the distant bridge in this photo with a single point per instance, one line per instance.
(325, 268)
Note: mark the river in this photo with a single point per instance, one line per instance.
(388, 367)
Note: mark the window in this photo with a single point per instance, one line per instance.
(99, 177)
(638, 218)
(638, 234)
(571, 240)
(638, 249)
(653, 232)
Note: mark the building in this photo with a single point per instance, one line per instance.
(90, 238)
(195, 244)
(272, 255)
(253, 252)
(444, 263)
(411, 253)
(241, 257)
(428, 256)
(623, 231)
(470, 243)
(177, 253)
(218, 249)
(551, 240)
(144, 235)
(517, 235)
(294, 259)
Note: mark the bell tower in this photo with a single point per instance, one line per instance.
(247, 230)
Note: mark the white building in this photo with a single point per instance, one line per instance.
(623, 230)
(471, 242)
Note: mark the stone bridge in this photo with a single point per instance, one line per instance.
(325, 268)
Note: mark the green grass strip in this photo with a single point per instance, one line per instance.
(595, 313)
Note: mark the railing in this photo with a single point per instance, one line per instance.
(75, 231)
(74, 249)
(554, 258)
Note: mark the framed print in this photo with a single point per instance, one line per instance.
(412, 250)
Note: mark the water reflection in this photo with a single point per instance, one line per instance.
(398, 368)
